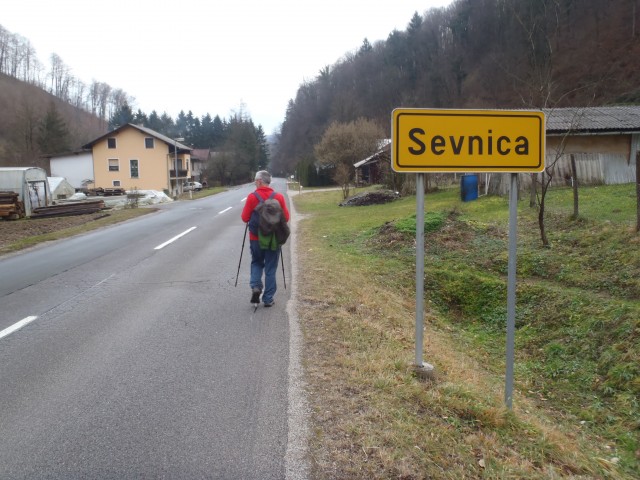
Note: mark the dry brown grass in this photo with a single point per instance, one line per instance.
(372, 418)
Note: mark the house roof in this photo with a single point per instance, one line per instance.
(593, 120)
(200, 153)
(148, 131)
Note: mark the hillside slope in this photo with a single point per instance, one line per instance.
(22, 107)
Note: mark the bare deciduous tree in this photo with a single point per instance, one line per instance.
(57, 73)
(343, 144)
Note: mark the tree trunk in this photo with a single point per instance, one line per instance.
(544, 187)
(345, 191)
(533, 191)
(574, 178)
(543, 234)
(638, 191)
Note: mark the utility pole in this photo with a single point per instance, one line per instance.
(175, 160)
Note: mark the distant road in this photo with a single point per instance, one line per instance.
(139, 358)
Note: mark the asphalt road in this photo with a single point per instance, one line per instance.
(141, 359)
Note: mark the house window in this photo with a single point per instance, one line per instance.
(114, 165)
(133, 166)
(111, 142)
(148, 142)
(116, 183)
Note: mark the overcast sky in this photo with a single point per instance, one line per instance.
(205, 56)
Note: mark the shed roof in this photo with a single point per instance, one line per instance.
(12, 169)
(593, 120)
(383, 146)
(82, 151)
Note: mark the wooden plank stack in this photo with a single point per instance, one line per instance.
(10, 207)
(103, 192)
(64, 209)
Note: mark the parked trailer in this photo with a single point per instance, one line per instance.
(30, 183)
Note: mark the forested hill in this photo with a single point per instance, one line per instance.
(35, 122)
(475, 54)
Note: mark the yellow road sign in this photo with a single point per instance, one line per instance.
(434, 140)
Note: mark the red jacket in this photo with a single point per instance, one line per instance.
(252, 203)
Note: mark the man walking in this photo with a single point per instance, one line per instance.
(262, 260)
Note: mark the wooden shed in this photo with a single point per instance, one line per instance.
(604, 142)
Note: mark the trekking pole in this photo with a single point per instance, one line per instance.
(242, 250)
(284, 279)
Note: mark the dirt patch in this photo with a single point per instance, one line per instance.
(370, 198)
(12, 231)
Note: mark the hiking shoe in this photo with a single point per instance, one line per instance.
(255, 295)
(269, 304)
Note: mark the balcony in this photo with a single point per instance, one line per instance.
(181, 173)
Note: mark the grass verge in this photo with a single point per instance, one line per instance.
(576, 412)
(205, 192)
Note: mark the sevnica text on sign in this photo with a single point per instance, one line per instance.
(467, 140)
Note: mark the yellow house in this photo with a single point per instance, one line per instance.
(136, 157)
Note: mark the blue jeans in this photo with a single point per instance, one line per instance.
(267, 261)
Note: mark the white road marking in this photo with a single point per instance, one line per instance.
(174, 238)
(243, 199)
(226, 209)
(17, 326)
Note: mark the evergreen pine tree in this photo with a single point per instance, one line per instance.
(263, 148)
(218, 132)
(121, 117)
(154, 122)
(140, 118)
(53, 134)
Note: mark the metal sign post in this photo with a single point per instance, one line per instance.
(419, 267)
(440, 140)
(511, 289)
(422, 368)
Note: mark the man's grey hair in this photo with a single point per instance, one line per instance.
(264, 176)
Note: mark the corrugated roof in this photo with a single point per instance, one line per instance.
(383, 145)
(625, 119)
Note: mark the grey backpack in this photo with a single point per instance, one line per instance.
(271, 218)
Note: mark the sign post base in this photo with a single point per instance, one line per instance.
(425, 371)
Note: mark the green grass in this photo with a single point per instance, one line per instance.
(205, 192)
(610, 203)
(577, 408)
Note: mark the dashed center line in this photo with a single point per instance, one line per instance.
(174, 238)
(225, 210)
(17, 326)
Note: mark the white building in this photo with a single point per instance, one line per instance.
(76, 167)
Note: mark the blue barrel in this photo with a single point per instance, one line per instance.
(468, 187)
